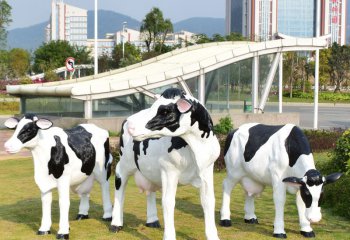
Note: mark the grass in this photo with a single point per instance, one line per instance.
(20, 212)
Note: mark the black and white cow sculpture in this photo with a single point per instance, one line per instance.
(63, 159)
(171, 142)
(257, 155)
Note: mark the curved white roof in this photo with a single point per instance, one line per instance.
(172, 67)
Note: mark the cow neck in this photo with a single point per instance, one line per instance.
(303, 164)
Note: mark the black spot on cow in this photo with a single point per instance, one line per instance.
(58, 158)
(168, 116)
(117, 182)
(107, 153)
(28, 132)
(30, 116)
(228, 141)
(177, 143)
(171, 93)
(296, 145)
(258, 136)
(80, 141)
(121, 142)
(200, 114)
(145, 144)
(136, 149)
(313, 178)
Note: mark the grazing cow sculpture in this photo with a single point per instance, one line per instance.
(257, 155)
(171, 142)
(63, 159)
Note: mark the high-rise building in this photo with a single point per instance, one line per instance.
(260, 20)
(67, 23)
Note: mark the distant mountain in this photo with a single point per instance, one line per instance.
(32, 37)
(109, 22)
(208, 26)
(28, 38)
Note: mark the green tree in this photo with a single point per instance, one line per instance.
(105, 63)
(339, 64)
(5, 20)
(19, 62)
(235, 37)
(289, 70)
(53, 54)
(202, 38)
(131, 55)
(154, 29)
(4, 68)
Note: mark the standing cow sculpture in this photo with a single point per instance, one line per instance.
(63, 159)
(171, 142)
(257, 155)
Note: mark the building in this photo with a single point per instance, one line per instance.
(67, 23)
(260, 20)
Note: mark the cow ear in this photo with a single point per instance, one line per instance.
(293, 181)
(332, 178)
(11, 123)
(44, 123)
(183, 105)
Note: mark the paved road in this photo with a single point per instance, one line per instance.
(329, 115)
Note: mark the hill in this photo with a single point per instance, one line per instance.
(32, 37)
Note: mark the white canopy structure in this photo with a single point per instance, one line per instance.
(173, 67)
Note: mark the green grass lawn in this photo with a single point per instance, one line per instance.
(20, 212)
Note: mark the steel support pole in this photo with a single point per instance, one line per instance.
(280, 84)
(255, 82)
(96, 47)
(201, 87)
(317, 59)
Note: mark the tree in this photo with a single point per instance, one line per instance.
(53, 54)
(5, 20)
(289, 63)
(339, 64)
(131, 55)
(154, 29)
(105, 63)
(19, 62)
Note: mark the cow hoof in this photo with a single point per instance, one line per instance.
(107, 219)
(251, 221)
(225, 223)
(43, 232)
(154, 224)
(308, 234)
(62, 236)
(81, 217)
(115, 229)
(280, 235)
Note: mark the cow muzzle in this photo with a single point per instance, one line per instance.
(314, 216)
(12, 147)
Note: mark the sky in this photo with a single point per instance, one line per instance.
(29, 12)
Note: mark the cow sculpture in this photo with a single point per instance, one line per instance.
(257, 155)
(63, 159)
(171, 142)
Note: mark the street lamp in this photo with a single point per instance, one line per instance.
(123, 37)
(96, 47)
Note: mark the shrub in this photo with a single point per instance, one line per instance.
(323, 140)
(341, 153)
(224, 126)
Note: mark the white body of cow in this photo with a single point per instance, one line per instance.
(162, 165)
(56, 165)
(259, 155)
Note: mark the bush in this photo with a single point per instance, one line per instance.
(337, 195)
(323, 140)
(224, 126)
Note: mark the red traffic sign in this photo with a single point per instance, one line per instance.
(70, 64)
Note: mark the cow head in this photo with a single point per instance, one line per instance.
(26, 131)
(172, 114)
(311, 191)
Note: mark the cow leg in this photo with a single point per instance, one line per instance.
(305, 226)
(106, 198)
(83, 206)
(121, 180)
(279, 198)
(64, 203)
(208, 202)
(46, 200)
(169, 187)
(152, 216)
(228, 184)
(249, 209)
